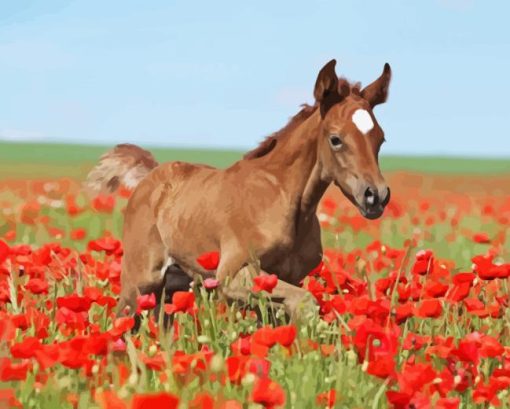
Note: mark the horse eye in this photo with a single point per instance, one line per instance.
(335, 142)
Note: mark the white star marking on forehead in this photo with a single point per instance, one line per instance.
(363, 120)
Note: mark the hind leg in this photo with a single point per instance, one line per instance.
(176, 279)
(142, 268)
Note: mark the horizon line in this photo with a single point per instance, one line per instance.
(181, 147)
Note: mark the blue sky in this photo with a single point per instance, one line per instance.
(227, 73)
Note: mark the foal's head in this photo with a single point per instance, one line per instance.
(350, 138)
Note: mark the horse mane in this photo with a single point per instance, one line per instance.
(269, 143)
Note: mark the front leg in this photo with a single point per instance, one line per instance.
(298, 302)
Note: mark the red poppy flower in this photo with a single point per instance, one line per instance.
(404, 400)
(72, 207)
(184, 363)
(317, 269)
(161, 400)
(435, 289)
(182, 301)
(448, 403)
(156, 362)
(327, 398)
(26, 348)
(78, 234)
(209, 261)
(92, 293)
(107, 301)
(265, 282)
(7, 329)
(268, 393)
(285, 335)
(8, 399)
(482, 238)
(487, 270)
(338, 304)
(382, 367)
(211, 283)
(430, 308)
(329, 205)
(259, 367)
(71, 319)
(231, 404)
(462, 278)
(107, 244)
(236, 368)
(399, 400)
(37, 286)
(122, 325)
(13, 372)
(491, 348)
(424, 262)
(74, 302)
(242, 346)
(486, 393)
(145, 302)
(403, 312)
(98, 344)
(103, 204)
(414, 377)
(473, 304)
(110, 400)
(459, 292)
(4, 251)
(415, 342)
(202, 401)
(375, 340)
(467, 351)
(265, 336)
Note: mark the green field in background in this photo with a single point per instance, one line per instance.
(48, 160)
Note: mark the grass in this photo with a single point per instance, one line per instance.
(46, 361)
(446, 165)
(316, 361)
(20, 160)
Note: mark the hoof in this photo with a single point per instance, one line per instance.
(301, 308)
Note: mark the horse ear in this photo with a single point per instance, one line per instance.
(326, 88)
(377, 92)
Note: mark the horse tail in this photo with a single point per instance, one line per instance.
(125, 165)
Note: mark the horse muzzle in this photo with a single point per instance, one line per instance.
(373, 203)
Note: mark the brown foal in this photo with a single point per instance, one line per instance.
(261, 211)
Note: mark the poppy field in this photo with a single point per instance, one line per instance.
(411, 309)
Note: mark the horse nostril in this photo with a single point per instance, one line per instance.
(387, 198)
(371, 197)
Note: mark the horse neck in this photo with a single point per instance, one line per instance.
(295, 161)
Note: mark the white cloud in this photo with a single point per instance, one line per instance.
(20, 135)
